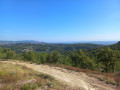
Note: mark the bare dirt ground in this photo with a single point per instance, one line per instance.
(73, 79)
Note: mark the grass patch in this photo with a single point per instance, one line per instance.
(26, 87)
(16, 77)
(45, 76)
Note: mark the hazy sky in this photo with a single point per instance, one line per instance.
(60, 20)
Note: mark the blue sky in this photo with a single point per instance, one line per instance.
(60, 20)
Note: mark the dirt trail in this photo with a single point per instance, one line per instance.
(72, 78)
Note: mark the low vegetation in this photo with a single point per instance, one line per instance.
(15, 77)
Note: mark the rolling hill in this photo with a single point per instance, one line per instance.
(47, 47)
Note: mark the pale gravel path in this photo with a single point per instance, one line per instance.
(72, 78)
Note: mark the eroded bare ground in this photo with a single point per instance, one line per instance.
(78, 80)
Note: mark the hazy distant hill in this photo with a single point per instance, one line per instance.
(82, 42)
(24, 41)
(98, 42)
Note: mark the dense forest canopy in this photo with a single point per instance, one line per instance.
(86, 56)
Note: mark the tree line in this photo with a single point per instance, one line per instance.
(105, 60)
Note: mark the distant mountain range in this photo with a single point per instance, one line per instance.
(23, 41)
(104, 42)
(32, 41)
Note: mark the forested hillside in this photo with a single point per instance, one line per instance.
(116, 46)
(46, 47)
